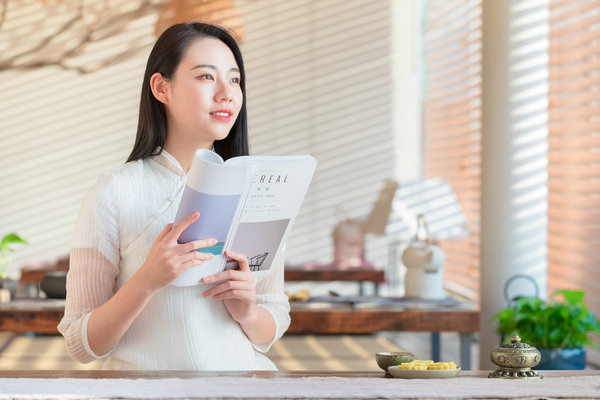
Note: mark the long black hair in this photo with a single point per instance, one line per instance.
(167, 53)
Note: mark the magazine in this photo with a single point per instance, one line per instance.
(247, 203)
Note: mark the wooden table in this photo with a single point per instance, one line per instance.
(288, 384)
(413, 316)
(319, 273)
(35, 315)
(43, 316)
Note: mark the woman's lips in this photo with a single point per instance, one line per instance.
(221, 115)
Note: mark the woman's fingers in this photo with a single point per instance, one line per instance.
(194, 255)
(235, 288)
(182, 225)
(191, 263)
(164, 232)
(240, 258)
(222, 276)
(243, 295)
(195, 245)
(243, 274)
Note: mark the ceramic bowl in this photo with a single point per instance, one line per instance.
(54, 284)
(388, 358)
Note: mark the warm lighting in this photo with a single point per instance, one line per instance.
(216, 12)
(88, 36)
(75, 35)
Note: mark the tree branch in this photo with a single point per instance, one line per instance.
(102, 28)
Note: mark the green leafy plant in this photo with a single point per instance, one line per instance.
(5, 248)
(552, 325)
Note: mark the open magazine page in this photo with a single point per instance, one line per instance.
(278, 187)
(215, 190)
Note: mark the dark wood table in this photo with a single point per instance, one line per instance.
(398, 316)
(322, 273)
(43, 316)
(31, 315)
(288, 384)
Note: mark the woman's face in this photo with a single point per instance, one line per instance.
(205, 96)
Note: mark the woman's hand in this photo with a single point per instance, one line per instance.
(236, 288)
(168, 259)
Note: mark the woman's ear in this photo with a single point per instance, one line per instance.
(159, 87)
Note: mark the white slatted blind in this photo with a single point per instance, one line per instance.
(60, 129)
(574, 150)
(451, 124)
(318, 82)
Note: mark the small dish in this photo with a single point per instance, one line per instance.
(422, 374)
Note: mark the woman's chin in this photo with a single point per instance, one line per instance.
(220, 136)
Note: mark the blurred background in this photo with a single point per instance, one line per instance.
(378, 90)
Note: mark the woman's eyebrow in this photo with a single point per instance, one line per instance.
(235, 69)
(204, 66)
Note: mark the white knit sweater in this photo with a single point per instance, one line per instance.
(178, 329)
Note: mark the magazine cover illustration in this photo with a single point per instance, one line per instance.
(259, 241)
(216, 215)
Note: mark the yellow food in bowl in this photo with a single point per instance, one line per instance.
(424, 365)
(412, 366)
(442, 365)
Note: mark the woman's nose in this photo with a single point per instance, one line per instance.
(224, 94)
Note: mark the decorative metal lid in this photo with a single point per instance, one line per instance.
(515, 343)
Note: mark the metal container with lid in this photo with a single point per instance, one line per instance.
(515, 360)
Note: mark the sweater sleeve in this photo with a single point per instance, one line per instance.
(270, 295)
(93, 268)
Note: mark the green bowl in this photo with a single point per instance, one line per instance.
(387, 358)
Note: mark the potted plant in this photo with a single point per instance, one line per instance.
(7, 286)
(558, 329)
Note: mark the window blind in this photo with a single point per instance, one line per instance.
(319, 76)
(62, 129)
(574, 150)
(451, 124)
(318, 82)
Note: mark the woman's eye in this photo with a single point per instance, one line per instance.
(235, 80)
(206, 76)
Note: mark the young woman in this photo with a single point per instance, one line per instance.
(124, 251)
